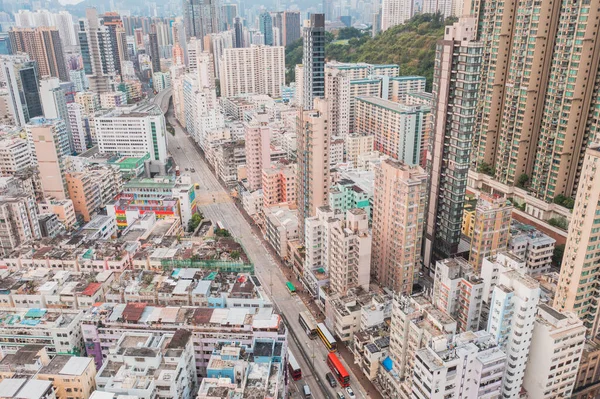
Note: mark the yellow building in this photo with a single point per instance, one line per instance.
(468, 221)
(73, 377)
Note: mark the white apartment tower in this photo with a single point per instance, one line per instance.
(256, 69)
(350, 252)
(555, 353)
(395, 12)
(337, 91)
(511, 319)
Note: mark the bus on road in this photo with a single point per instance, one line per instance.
(294, 367)
(338, 370)
(291, 288)
(326, 337)
(308, 322)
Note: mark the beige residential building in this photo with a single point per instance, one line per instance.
(398, 210)
(72, 377)
(50, 143)
(256, 69)
(257, 135)
(337, 91)
(313, 160)
(491, 229)
(93, 188)
(89, 100)
(42, 44)
(357, 144)
(538, 105)
(577, 287)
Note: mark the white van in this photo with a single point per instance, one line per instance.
(306, 390)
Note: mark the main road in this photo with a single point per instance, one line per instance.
(216, 204)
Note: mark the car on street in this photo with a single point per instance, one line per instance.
(350, 392)
(340, 395)
(186, 169)
(193, 170)
(331, 380)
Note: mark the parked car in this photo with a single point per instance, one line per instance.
(331, 380)
(193, 170)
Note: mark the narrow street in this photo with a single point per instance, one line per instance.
(267, 267)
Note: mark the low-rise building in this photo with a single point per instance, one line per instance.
(470, 366)
(281, 226)
(18, 388)
(535, 247)
(71, 376)
(145, 365)
(103, 326)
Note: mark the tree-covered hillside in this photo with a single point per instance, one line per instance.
(411, 45)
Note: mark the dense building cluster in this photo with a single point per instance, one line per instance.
(178, 219)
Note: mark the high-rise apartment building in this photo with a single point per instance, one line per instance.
(118, 39)
(398, 128)
(312, 150)
(577, 291)
(97, 52)
(337, 92)
(54, 103)
(279, 184)
(154, 53)
(511, 322)
(491, 230)
(350, 252)
(20, 224)
(49, 141)
(77, 123)
(22, 80)
(238, 30)
(458, 291)
(255, 69)
(201, 17)
(43, 45)
(395, 12)
(15, 155)
(455, 88)
(556, 348)
(415, 323)
(291, 27)
(257, 135)
(398, 210)
(313, 60)
(265, 24)
(538, 110)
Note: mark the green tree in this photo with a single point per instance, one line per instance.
(523, 180)
(411, 46)
(486, 168)
(557, 255)
(194, 222)
(348, 33)
(235, 254)
(559, 199)
(559, 222)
